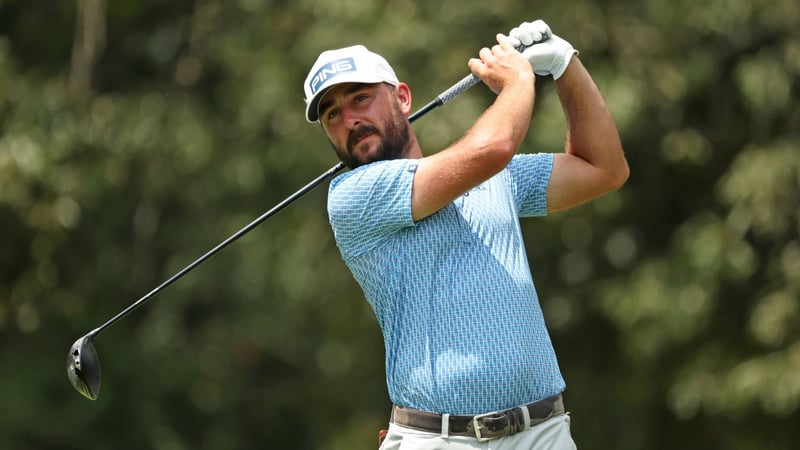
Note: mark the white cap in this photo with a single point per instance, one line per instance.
(353, 64)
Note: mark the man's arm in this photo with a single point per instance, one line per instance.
(593, 162)
(490, 143)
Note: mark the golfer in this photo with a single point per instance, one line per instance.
(435, 243)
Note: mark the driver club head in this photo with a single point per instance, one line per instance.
(83, 367)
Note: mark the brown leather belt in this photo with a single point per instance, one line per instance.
(484, 427)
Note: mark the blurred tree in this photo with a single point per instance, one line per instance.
(135, 135)
(88, 43)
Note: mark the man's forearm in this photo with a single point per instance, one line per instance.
(592, 134)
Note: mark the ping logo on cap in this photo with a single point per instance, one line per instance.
(330, 70)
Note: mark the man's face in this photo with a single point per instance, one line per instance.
(364, 123)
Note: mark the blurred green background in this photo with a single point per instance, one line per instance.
(137, 134)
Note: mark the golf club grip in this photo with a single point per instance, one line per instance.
(465, 83)
(452, 92)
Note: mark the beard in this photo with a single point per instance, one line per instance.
(394, 141)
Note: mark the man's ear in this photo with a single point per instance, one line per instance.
(403, 93)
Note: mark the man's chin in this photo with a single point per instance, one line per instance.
(366, 153)
(368, 160)
(352, 161)
(369, 154)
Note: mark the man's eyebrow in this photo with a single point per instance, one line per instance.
(325, 104)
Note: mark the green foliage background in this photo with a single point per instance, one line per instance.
(137, 134)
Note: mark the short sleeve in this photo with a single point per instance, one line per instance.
(530, 174)
(370, 203)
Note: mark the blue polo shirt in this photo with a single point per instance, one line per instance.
(453, 293)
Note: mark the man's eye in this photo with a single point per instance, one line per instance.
(332, 114)
(360, 98)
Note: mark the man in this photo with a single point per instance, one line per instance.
(435, 241)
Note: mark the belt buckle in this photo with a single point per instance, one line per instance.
(476, 426)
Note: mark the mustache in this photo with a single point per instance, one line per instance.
(359, 133)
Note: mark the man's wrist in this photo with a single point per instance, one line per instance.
(563, 63)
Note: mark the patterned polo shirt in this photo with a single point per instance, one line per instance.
(453, 293)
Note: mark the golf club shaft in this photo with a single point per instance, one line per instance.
(286, 202)
(466, 83)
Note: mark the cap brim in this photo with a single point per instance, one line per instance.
(312, 109)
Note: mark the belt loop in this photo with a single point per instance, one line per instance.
(445, 426)
(526, 417)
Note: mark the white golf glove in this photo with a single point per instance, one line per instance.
(529, 33)
(548, 53)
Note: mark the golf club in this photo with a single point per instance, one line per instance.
(83, 364)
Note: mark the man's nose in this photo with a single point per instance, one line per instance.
(351, 117)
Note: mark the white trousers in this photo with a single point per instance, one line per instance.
(552, 434)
